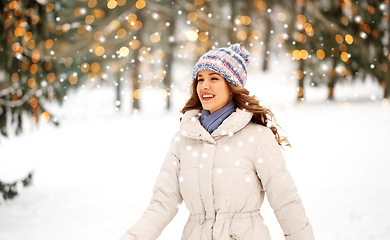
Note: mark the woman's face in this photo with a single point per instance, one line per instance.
(213, 91)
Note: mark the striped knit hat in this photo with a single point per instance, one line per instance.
(231, 63)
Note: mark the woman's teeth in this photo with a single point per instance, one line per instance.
(207, 96)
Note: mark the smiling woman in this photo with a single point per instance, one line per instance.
(222, 162)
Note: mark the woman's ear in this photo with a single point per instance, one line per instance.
(231, 96)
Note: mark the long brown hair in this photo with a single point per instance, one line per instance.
(261, 115)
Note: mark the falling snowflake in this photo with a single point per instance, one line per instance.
(226, 148)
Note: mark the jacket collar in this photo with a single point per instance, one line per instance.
(190, 125)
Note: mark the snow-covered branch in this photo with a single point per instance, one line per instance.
(331, 25)
(19, 102)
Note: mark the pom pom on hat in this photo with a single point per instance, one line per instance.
(231, 63)
(242, 52)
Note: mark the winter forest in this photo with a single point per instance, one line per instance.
(91, 93)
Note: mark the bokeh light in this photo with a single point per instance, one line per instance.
(84, 67)
(144, 51)
(246, 20)
(95, 67)
(155, 37)
(349, 39)
(192, 16)
(159, 54)
(68, 61)
(46, 116)
(73, 79)
(137, 94)
(124, 51)
(192, 35)
(15, 77)
(135, 44)
(51, 77)
(320, 54)
(242, 35)
(99, 51)
(140, 4)
(281, 16)
(34, 102)
(31, 82)
(92, 3)
(111, 4)
(161, 73)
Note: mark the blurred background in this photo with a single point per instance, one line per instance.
(91, 93)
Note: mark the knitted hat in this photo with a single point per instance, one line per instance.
(231, 63)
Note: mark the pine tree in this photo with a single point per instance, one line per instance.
(33, 72)
(351, 38)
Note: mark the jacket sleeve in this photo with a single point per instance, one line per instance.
(164, 203)
(280, 188)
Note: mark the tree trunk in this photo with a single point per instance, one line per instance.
(267, 33)
(387, 87)
(118, 91)
(233, 34)
(387, 91)
(300, 46)
(169, 61)
(301, 92)
(135, 82)
(137, 65)
(332, 81)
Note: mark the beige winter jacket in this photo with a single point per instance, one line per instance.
(222, 179)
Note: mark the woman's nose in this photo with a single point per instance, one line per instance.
(206, 84)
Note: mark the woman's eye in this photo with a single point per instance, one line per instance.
(214, 79)
(200, 80)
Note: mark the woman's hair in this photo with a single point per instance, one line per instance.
(243, 101)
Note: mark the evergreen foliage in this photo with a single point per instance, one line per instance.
(9, 190)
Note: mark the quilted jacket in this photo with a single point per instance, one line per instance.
(222, 179)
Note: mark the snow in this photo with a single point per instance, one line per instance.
(93, 175)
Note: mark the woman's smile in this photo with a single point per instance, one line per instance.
(207, 96)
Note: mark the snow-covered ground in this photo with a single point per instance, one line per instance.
(93, 175)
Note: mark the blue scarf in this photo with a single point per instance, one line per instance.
(212, 121)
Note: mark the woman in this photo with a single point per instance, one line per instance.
(223, 161)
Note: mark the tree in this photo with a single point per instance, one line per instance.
(351, 38)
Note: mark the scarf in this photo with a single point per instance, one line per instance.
(212, 121)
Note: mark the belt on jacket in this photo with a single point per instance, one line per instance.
(224, 215)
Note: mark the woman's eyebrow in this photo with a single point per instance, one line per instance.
(200, 75)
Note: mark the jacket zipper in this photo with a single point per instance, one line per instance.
(233, 236)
